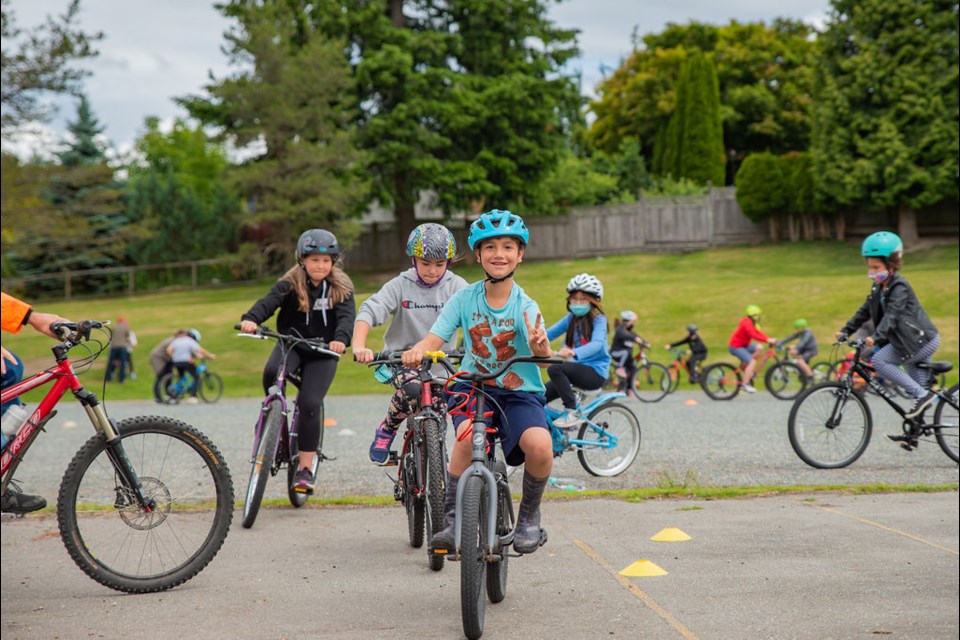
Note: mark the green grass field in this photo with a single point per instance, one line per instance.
(824, 282)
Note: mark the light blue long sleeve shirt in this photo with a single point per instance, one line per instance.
(593, 353)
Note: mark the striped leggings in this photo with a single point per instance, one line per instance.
(914, 380)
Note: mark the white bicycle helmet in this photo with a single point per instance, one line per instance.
(587, 283)
(628, 316)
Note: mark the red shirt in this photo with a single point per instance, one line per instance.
(746, 331)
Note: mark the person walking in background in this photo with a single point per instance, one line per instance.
(120, 348)
(162, 364)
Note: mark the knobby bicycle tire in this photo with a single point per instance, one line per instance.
(118, 544)
(785, 381)
(262, 464)
(497, 571)
(211, 387)
(721, 381)
(436, 485)
(948, 428)
(651, 382)
(297, 498)
(597, 457)
(413, 499)
(473, 570)
(830, 426)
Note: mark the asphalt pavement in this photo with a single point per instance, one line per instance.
(818, 565)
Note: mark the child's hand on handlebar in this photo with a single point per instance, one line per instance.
(337, 347)
(248, 326)
(412, 357)
(362, 354)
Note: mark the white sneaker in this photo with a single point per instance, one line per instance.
(749, 388)
(567, 420)
(818, 375)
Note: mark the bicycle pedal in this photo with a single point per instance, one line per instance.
(392, 460)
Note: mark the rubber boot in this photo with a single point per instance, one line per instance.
(445, 539)
(526, 538)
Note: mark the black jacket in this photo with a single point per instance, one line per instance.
(897, 315)
(335, 324)
(695, 342)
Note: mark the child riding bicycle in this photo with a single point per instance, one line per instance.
(698, 351)
(584, 345)
(742, 346)
(413, 299)
(183, 351)
(501, 321)
(903, 334)
(621, 350)
(805, 349)
(315, 299)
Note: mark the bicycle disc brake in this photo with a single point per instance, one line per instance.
(133, 514)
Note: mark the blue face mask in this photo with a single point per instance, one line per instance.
(880, 276)
(580, 310)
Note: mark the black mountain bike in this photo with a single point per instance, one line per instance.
(830, 424)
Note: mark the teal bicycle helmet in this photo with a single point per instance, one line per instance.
(497, 223)
(881, 244)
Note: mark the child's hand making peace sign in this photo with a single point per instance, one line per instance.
(539, 345)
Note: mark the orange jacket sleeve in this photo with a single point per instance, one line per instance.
(13, 313)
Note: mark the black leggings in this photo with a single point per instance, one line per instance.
(563, 377)
(316, 375)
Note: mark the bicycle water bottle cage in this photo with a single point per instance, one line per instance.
(383, 374)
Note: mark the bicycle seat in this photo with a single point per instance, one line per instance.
(936, 367)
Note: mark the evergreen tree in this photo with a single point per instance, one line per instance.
(886, 117)
(761, 189)
(84, 148)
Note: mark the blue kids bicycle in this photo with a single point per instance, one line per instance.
(607, 440)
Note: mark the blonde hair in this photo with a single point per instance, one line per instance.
(340, 285)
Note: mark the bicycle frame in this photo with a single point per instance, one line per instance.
(561, 442)
(65, 378)
(426, 412)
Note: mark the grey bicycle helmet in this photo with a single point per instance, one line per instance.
(317, 241)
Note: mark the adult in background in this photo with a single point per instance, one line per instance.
(120, 348)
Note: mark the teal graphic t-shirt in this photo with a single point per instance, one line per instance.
(493, 336)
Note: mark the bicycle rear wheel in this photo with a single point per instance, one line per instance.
(612, 438)
(171, 387)
(829, 426)
(263, 462)
(118, 544)
(436, 476)
(297, 498)
(211, 387)
(785, 381)
(651, 382)
(948, 425)
(721, 381)
(827, 370)
(473, 570)
(497, 571)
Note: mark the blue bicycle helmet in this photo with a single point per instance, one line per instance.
(881, 244)
(432, 241)
(497, 223)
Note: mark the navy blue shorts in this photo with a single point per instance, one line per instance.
(513, 413)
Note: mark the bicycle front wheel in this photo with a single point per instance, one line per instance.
(299, 498)
(948, 424)
(651, 382)
(436, 485)
(211, 387)
(497, 571)
(721, 381)
(171, 387)
(829, 426)
(785, 381)
(110, 536)
(473, 570)
(263, 462)
(611, 440)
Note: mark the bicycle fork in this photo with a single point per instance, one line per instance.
(115, 451)
(494, 544)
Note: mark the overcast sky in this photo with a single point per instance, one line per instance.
(155, 50)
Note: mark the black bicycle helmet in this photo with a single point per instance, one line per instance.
(317, 241)
(692, 328)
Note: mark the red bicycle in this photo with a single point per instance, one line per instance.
(147, 502)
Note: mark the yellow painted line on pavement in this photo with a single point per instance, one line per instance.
(639, 593)
(884, 527)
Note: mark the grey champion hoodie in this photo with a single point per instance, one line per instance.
(413, 307)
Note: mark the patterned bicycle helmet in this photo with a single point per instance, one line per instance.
(497, 223)
(692, 328)
(753, 310)
(628, 316)
(317, 241)
(431, 241)
(881, 244)
(195, 334)
(586, 283)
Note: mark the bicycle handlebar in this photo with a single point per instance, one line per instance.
(434, 357)
(316, 344)
(437, 358)
(73, 332)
